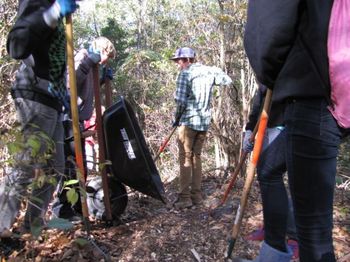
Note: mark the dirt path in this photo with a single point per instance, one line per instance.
(152, 231)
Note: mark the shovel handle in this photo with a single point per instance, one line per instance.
(75, 120)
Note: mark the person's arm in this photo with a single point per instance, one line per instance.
(256, 108)
(181, 95)
(36, 21)
(253, 118)
(269, 35)
(29, 30)
(84, 62)
(221, 78)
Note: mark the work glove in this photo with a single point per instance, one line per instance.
(59, 9)
(67, 7)
(247, 144)
(176, 123)
(95, 57)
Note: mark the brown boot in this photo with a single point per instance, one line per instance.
(197, 199)
(182, 203)
(5, 233)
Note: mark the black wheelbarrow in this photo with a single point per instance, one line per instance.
(131, 163)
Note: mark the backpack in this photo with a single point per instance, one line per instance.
(339, 61)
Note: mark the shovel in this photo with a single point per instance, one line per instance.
(75, 121)
(250, 171)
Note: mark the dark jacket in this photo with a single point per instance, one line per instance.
(85, 83)
(29, 40)
(286, 43)
(275, 115)
(31, 35)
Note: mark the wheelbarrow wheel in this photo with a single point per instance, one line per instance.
(118, 198)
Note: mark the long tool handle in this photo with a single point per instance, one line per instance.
(164, 144)
(101, 144)
(108, 92)
(166, 141)
(75, 119)
(251, 171)
(236, 172)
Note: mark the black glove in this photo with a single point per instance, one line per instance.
(247, 144)
(176, 123)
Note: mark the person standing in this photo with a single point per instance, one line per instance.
(100, 51)
(286, 44)
(39, 92)
(194, 87)
(278, 218)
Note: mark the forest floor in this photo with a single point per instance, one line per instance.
(148, 230)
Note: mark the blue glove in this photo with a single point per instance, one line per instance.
(247, 145)
(95, 57)
(109, 73)
(67, 7)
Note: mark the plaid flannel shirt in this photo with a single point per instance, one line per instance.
(194, 88)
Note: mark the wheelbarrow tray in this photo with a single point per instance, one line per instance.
(126, 148)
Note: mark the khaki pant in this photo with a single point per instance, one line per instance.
(190, 147)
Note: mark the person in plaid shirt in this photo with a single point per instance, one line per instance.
(194, 87)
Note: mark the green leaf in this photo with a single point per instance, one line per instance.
(36, 230)
(52, 181)
(40, 181)
(34, 144)
(81, 242)
(72, 196)
(71, 182)
(14, 148)
(59, 223)
(37, 200)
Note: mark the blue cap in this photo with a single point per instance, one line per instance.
(184, 52)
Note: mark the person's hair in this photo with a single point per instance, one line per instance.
(187, 59)
(104, 44)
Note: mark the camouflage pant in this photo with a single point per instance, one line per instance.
(45, 124)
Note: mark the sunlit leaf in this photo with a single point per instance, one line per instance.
(71, 182)
(72, 196)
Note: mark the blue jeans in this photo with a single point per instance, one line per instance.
(277, 207)
(312, 142)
